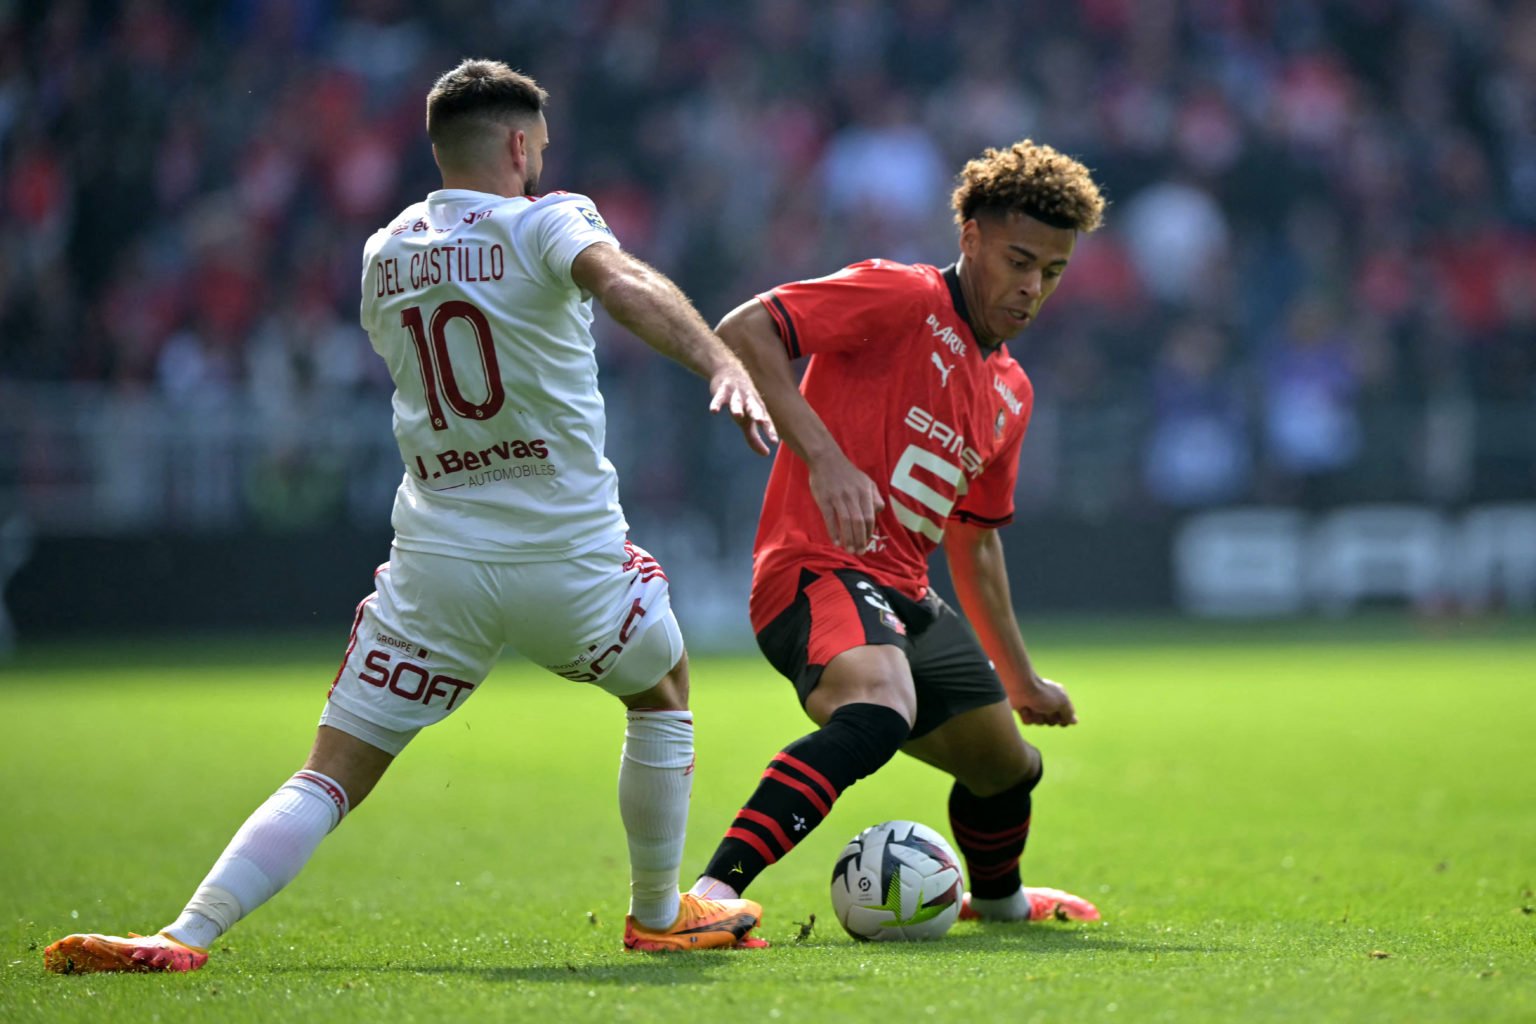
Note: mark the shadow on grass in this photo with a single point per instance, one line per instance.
(1012, 939)
(694, 968)
(1036, 939)
(815, 956)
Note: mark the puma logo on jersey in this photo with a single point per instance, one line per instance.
(944, 371)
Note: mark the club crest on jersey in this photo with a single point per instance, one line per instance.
(594, 218)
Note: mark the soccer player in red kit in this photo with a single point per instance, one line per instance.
(903, 436)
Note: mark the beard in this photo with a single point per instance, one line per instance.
(531, 185)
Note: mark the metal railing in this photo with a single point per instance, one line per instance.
(87, 459)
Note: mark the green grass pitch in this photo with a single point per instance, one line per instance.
(1280, 824)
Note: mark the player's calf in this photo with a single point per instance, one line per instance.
(799, 787)
(991, 832)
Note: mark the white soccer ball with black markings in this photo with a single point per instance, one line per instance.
(898, 880)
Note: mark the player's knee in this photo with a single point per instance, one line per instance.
(675, 682)
(869, 734)
(897, 694)
(1018, 769)
(669, 693)
(865, 675)
(353, 764)
(1034, 770)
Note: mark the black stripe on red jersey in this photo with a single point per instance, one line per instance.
(951, 276)
(971, 517)
(791, 336)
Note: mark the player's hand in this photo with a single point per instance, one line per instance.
(848, 499)
(1046, 703)
(731, 389)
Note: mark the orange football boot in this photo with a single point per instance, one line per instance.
(90, 952)
(701, 924)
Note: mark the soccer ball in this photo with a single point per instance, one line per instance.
(897, 880)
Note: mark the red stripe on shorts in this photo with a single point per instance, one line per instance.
(357, 620)
(835, 625)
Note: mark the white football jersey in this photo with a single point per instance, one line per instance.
(468, 296)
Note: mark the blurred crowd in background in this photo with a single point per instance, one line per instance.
(1317, 282)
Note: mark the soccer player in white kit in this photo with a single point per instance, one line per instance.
(508, 528)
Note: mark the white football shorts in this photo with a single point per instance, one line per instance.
(427, 637)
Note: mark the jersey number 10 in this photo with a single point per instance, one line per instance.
(430, 339)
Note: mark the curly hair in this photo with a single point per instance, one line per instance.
(1033, 179)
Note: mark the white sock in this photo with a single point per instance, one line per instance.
(265, 855)
(1008, 908)
(714, 889)
(655, 780)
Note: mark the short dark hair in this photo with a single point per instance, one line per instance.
(479, 91)
(1032, 179)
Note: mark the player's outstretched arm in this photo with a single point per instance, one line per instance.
(980, 575)
(646, 301)
(848, 499)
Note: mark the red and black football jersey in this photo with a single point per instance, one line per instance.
(933, 418)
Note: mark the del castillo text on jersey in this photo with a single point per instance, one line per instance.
(447, 463)
(453, 263)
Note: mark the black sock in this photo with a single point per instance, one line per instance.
(800, 786)
(991, 832)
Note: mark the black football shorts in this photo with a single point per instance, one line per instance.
(841, 609)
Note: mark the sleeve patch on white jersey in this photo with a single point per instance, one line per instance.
(594, 218)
